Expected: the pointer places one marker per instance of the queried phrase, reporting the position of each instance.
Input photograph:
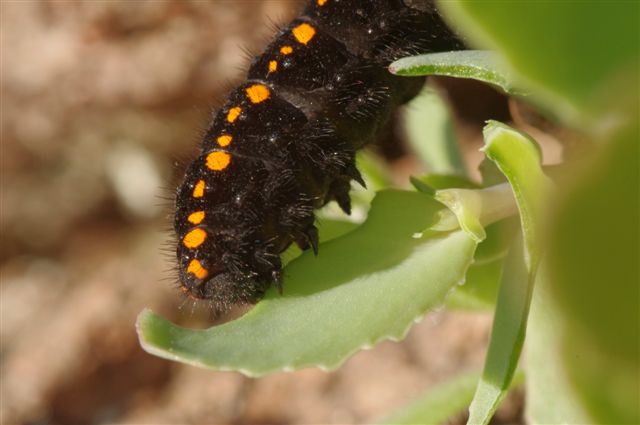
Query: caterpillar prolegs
(284, 142)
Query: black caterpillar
(284, 142)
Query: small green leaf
(475, 209)
(480, 289)
(518, 157)
(490, 173)
(430, 134)
(421, 186)
(432, 182)
(507, 337)
(479, 65)
(364, 287)
(499, 238)
(439, 403)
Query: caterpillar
(284, 142)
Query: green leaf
(507, 337)
(439, 403)
(332, 229)
(479, 65)
(364, 287)
(593, 264)
(430, 134)
(550, 397)
(579, 59)
(518, 157)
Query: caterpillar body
(284, 142)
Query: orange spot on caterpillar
(198, 191)
(286, 50)
(218, 161)
(258, 93)
(321, 2)
(234, 113)
(224, 140)
(196, 217)
(273, 66)
(194, 238)
(304, 33)
(196, 269)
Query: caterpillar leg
(276, 277)
(340, 192)
(309, 239)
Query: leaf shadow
(394, 228)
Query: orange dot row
(303, 33)
(219, 160)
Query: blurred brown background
(99, 100)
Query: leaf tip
(490, 129)
(144, 323)
(142, 319)
(494, 129)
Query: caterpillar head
(224, 268)
(222, 251)
(204, 280)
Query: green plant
(567, 276)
